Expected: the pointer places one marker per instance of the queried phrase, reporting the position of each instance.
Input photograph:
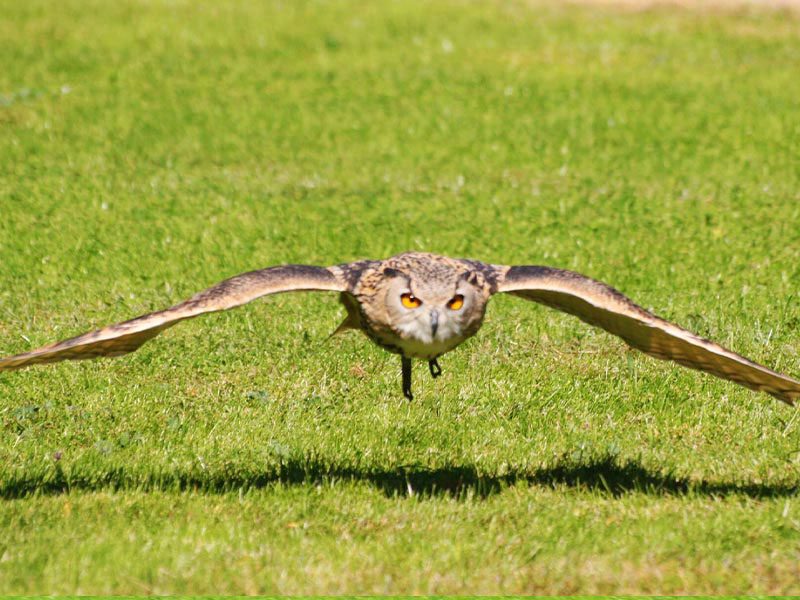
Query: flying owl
(421, 306)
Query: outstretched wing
(601, 305)
(122, 338)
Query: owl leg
(436, 370)
(406, 362)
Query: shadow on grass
(606, 476)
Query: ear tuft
(390, 272)
(471, 277)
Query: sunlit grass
(150, 149)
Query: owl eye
(410, 300)
(456, 302)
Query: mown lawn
(149, 149)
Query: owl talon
(406, 364)
(436, 370)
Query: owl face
(431, 318)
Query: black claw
(406, 364)
(436, 370)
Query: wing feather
(602, 306)
(122, 338)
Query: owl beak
(434, 321)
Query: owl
(421, 306)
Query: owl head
(433, 314)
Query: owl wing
(602, 306)
(126, 337)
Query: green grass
(149, 149)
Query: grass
(149, 149)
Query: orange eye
(456, 303)
(410, 300)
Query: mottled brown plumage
(422, 305)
